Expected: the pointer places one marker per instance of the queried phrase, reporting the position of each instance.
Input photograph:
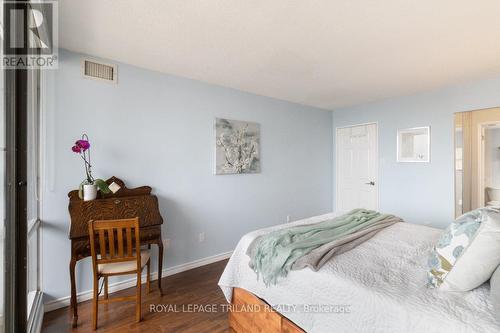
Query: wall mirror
(414, 144)
(477, 159)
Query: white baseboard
(86, 295)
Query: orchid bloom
(82, 147)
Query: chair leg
(95, 303)
(105, 287)
(138, 312)
(148, 277)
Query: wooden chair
(116, 250)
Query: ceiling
(324, 53)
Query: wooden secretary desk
(125, 203)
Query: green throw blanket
(273, 255)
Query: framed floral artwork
(237, 147)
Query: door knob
(372, 183)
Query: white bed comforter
(380, 286)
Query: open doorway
(477, 159)
(489, 164)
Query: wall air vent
(95, 70)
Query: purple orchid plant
(82, 147)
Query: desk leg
(74, 305)
(160, 264)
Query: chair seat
(125, 266)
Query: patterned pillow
(468, 252)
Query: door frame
(377, 180)
(481, 149)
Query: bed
(380, 286)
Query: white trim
(42, 132)
(356, 125)
(86, 295)
(35, 319)
(481, 140)
(377, 181)
(33, 225)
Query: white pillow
(468, 252)
(495, 292)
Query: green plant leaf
(102, 186)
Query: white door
(356, 164)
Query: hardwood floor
(184, 294)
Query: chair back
(113, 241)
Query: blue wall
(419, 192)
(157, 129)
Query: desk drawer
(151, 233)
(145, 207)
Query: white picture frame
(414, 145)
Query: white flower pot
(89, 192)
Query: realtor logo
(30, 34)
